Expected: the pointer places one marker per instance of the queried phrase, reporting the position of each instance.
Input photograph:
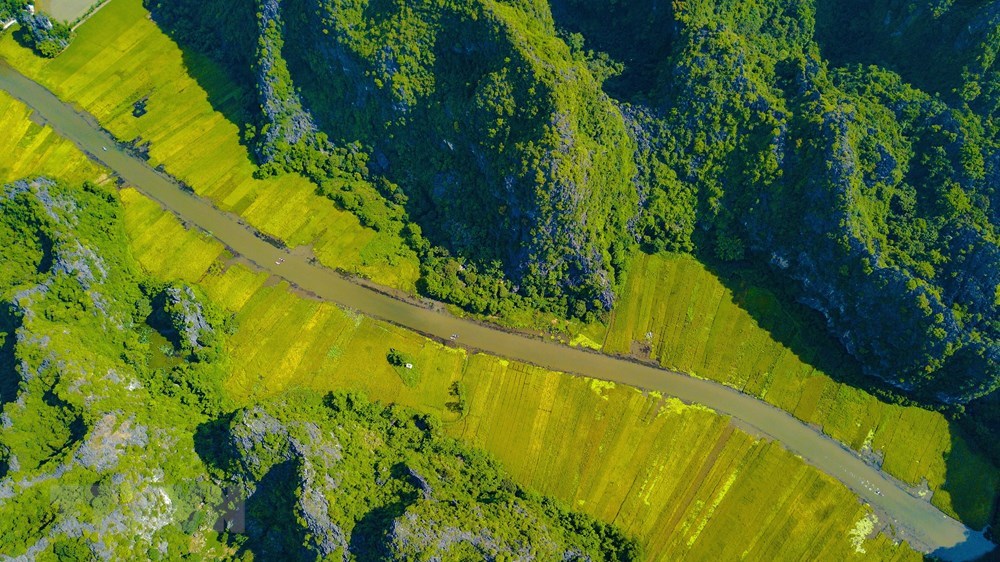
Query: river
(923, 525)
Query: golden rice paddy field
(29, 150)
(679, 477)
(693, 323)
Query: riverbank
(930, 527)
(189, 129)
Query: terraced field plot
(691, 322)
(679, 477)
(31, 151)
(121, 57)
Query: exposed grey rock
(187, 316)
(287, 121)
(107, 440)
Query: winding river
(924, 526)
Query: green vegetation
(110, 450)
(404, 366)
(480, 134)
(96, 447)
(46, 36)
(870, 198)
(636, 460)
(943, 47)
(9, 9)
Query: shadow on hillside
(272, 527)
(369, 537)
(212, 444)
(972, 479)
(10, 380)
(773, 305)
(226, 92)
(227, 83)
(637, 34)
(267, 518)
(973, 497)
(922, 47)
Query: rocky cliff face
(286, 125)
(874, 198)
(86, 467)
(359, 482)
(503, 143)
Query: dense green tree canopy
(526, 148)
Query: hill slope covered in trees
(524, 149)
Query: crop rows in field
(691, 322)
(679, 477)
(30, 150)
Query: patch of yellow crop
(162, 245)
(600, 387)
(693, 323)
(581, 340)
(30, 150)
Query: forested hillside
(119, 443)
(525, 149)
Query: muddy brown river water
(920, 523)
